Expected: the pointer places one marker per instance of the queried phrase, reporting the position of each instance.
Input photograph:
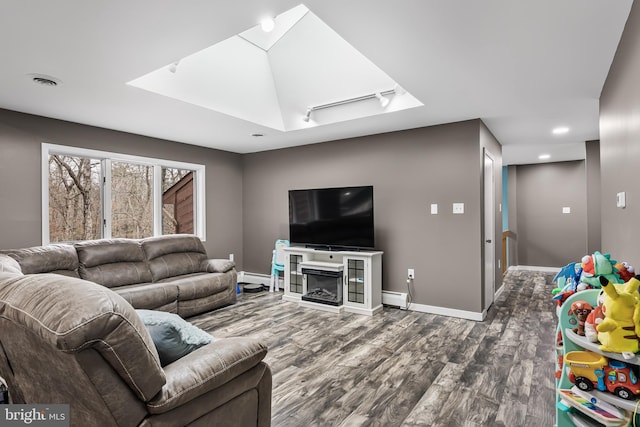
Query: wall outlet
(458, 208)
(434, 209)
(230, 257)
(411, 274)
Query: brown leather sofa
(68, 340)
(169, 273)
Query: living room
(410, 169)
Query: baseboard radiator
(396, 299)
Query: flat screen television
(332, 218)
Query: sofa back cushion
(174, 255)
(113, 262)
(56, 258)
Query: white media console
(334, 281)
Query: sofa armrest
(205, 369)
(218, 265)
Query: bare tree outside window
(131, 200)
(74, 198)
(87, 201)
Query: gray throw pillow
(173, 336)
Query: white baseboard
(534, 268)
(451, 312)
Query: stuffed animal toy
(596, 265)
(581, 310)
(567, 279)
(561, 297)
(617, 332)
(625, 271)
(594, 319)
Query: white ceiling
(523, 67)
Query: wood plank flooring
(404, 368)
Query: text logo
(53, 415)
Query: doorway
(489, 230)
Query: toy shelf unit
(594, 387)
(334, 281)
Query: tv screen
(332, 217)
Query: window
(93, 194)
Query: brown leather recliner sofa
(69, 334)
(68, 340)
(169, 273)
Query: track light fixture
(383, 101)
(174, 67)
(307, 115)
(399, 90)
(381, 96)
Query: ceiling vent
(44, 80)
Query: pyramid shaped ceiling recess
(271, 79)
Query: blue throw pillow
(173, 336)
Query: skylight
(273, 78)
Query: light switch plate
(434, 209)
(458, 208)
(566, 210)
(621, 199)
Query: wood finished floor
(404, 368)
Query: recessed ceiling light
(267, 25)
(544, 156)
(560, 130)
(44, 80)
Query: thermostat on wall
(621, 200)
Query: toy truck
(588, 370)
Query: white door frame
(489, 243)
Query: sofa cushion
(199, 285)
(173, 336)
(174, 255)
(56, 258)
(9, 265)
(113, 262)
(151, 296)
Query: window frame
(106, 158)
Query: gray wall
(620, 146)
(512, 198)
(409, 170)
(546, 236)
(594, 225)
(21, 136)
(247, 206)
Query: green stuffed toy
(596, 266)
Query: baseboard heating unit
(397, 299)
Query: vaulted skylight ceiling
(274, 78)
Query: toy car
(589, 370)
